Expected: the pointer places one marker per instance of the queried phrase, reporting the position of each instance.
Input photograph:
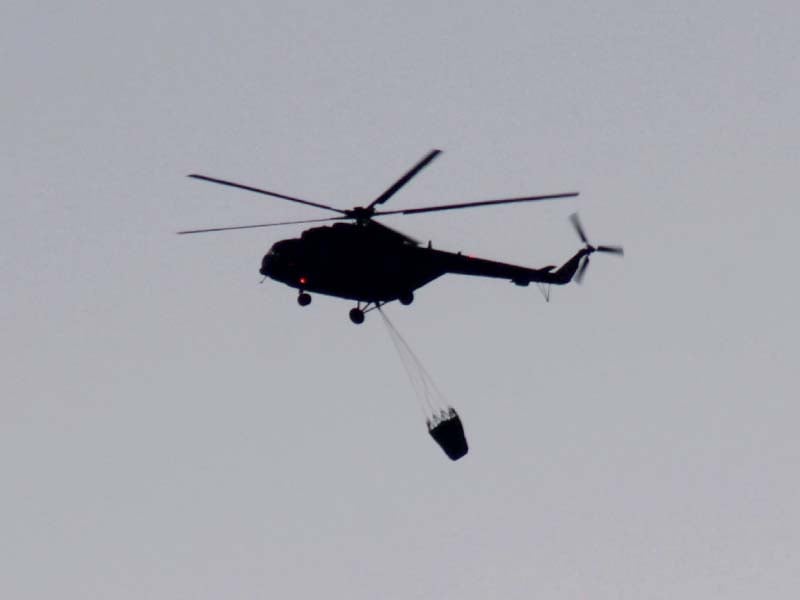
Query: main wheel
(304, 299)
(357, 316)
(406, 298)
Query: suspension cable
(424, 387)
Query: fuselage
(351, 261)
(372, 263)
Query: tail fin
(567, 271)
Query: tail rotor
(588, 248)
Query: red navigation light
(303, 281)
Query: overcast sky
(172, 429)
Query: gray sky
(172, 429)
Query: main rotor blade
(264, 225)
(413, 211)
(611, 250)
(266, 192)
(405, 178)
(576, 223)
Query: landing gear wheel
(406, 298)
(304, 299)
(357, 316)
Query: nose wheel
(304, 299)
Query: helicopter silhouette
(372, 264)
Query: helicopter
(362, 260)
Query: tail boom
(480, 267)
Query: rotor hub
(360, 213)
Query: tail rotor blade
(589, 249)
(611, 250)
(576, 223)
(582, 270)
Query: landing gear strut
(362, 308)
(304, 299)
